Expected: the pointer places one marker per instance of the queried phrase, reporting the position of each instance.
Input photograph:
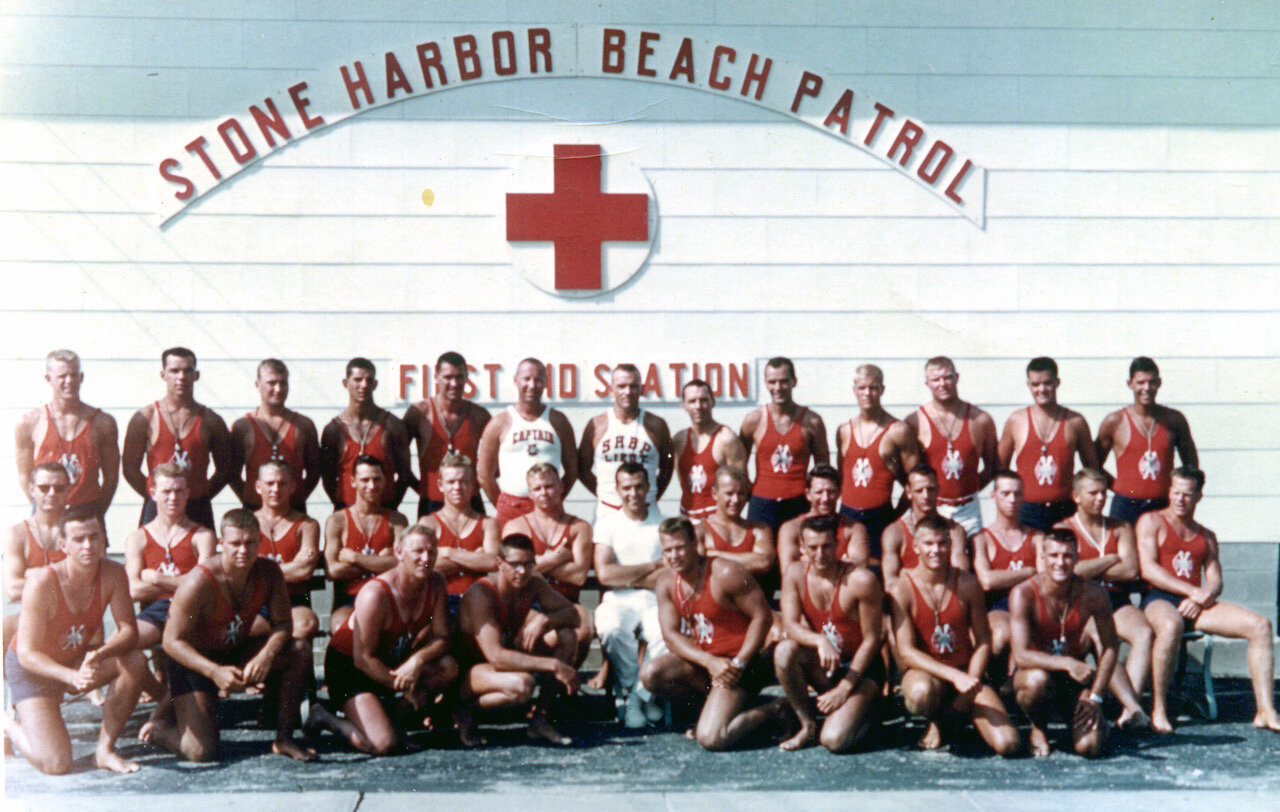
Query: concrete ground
(609, 767)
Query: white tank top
(623, 442)
(525, 444)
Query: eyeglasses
(523, 566)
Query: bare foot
(468, 734)
(1039, 743)
(932, 738)
(97, 697)
(1267, 722)
(540, 728)
(599, 681)
(807, 737)
(290, 748)
(1160, 723)
(1135, 720)
(144, 732)
(691, 734)
(111, 760)
(320, 719)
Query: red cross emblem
(577, 217)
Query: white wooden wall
(1132, 205)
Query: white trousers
(623, 618)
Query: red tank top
(716, 629)
(1183, 558)
(944, 634)
(541, 545)
(67, 634)
(844, 632)
(1088, 549)
(395, 638)
(1057, 635)
(177, 560)
(721, 544)
(351, 449)
(284, 448)
(36, 554)
(189, 452)
(445, 537)
(1145, 469)
(228, 626)
(77, 455)
(376, 543)
(1002, 558)
(283, 550)
(907, 553)
(867, 480)
(464, 440)
(1046, 467)
(955, 461)
(781, 460)
(697, 472)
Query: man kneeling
(1049, 623)
(395, 642)
(210, 651)
(714, 620)
(514, 646)
(834, 622)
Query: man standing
(179, 430)
(628, 561)
(273, 433)
(832, 611)
(943, 644)
(1049, 614)
(822, 492)
(874, 450)
(785, 436)
(959, 441)
(515, 648)
(524, 434)
(443, 424)
(394, 644)
(1179, 559)
(358, 540)
(77, 436)
(701, 449)
(52, 652)
(625, 433)
(898, 539)
(1041, 443)
(211, 653)
(364, 429)
(1144, 437)
(715, 621)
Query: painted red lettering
(301, 103)
(940, 148)
(756, 77)
(882, 113)
(908, 138)
(715, 379)
(504, 45)
(166, 171)
(268, 124)
(196, 147)
(652, 383)
(469, 388)
(428, 61)
(646, 51)
(956, 181)
(739, 381)
(396, 80)
(464, 48)
(601, 371)
(614, 59)
(539, 46)
(492, 369)
(841, 112)
(360, 83)
(568, 381)
(678, 369)
(407, 371)
(810, 85)
(683, 66)
(243, 152)
(715, 80)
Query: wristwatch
(738, 664)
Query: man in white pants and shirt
(628, 559)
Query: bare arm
(310, 462)
(107, 444)
(747, 595)
(1008, 443)
(587, 456)
(993, 579)
(891, 541)
(661, 435)
(222, 450)
(241, 447)
(487, 457)
(817, 438)
(983, 430)
(190, 605)
(330, 458)
(959, 555)
(125, 637)
(33, 621)
(907, 647)
(763, 553)
(15, 562)
(336, 569)
(574, 571)
(788, 543)
(142, 587)
(669, 620)
(870, 596)
(369, 615)
(299, 570)
(729, 451)
(794, 623)
(747, 434)
(568, 448)
(857, 546)
(1183, 441)
(1150, 528)
(24, 452)
(1084, 443)
(454, 560)
(1106, 439)
(136, 437)
(398, 446)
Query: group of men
(458, 615)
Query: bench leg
(1210, 700)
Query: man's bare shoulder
(655, 425)
(968, 588)
(681, 437)
(813, 420)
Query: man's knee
(1089, 745)
(1259, 629)
(1031, 685)
(920, 697)
(382, 742)
(56, 763)
(522, 689)
(199, 751)
(305, 625)
(1167, 626)
(1004, 741)
(784, 654)
(713, 739)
